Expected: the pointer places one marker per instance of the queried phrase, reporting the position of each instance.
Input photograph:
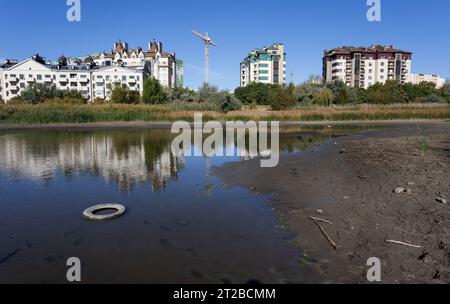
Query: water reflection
(194, 232)
(127, 158)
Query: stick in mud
(402, 243)
(320, 220)
(316, 221)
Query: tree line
(337, 93)
(276, 96)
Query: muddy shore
(350, 181)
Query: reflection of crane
(208, 41)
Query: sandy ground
(350, 181)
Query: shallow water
(181, 225)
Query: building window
(39, 77)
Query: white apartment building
(265, 65)
(159, 64)
(92, 83)
(437, 80)
(364, 67)
(1, 86)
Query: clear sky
(305, 27)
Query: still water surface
(182, 224)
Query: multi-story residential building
(265, 65)
(93, 82)
(437, 80)
(6, 64)
(363, 67)
(159, 64)
(180, 73)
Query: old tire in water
(90, 213)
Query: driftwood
(320, 220)
(402, 243)
(330, 240)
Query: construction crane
(208, 41)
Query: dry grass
(51, 113)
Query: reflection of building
(103, 156)
(363, 67)
(265, 65)
(419, 78)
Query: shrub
(180, 95)
(228, 102)
(72, 94)
(98, 100)
(223, 100)
(16, 100)
(282, 98)
(122, 94)
(70, 101)
(254, 92)
(445, 92)
(153, 92)
(323, 97)
(134, 97)
(304, 93)
(38, 93)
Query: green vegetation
(153, 92)
(422, 145)
(121, 94)
(221, 100)
(306, 102)
(337, 93)
(63, 112)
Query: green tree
(258, 92)
(38, 93)
(179, 94)
(134, 97)
(323, 97)
(282, 98)
(223, 100)
(120, 93)
(304, 93)
(445, 92)
(153, 92)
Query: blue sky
(305, 27)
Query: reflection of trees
(128, 158)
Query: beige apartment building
(437, 80)
(363, 67)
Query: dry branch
(402, 243)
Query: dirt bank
(350, 182)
